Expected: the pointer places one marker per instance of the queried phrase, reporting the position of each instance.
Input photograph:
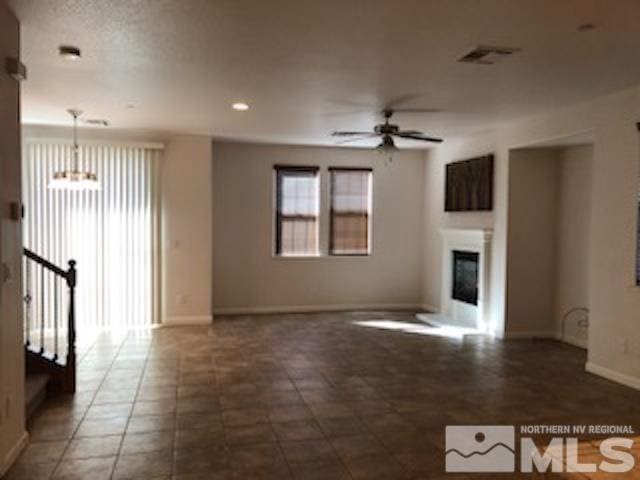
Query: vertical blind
(297, 211)
(111, 233)
(350, 211)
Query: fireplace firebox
(465, 276)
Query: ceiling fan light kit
(387, 147)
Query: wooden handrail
(39, 361)
(45, 263)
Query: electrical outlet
(182, 299)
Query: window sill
(318, 257)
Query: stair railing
(50, 341)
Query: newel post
(71, 354)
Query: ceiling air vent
(97, 121)
(486, 55)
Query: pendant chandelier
(74, 179)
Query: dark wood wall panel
(469, 185)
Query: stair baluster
(43, 299)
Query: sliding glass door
(111, 233)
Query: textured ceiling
(309, 67)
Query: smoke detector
(487, 55)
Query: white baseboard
(187, 320)
(315, 308)
(623, 378)
(14, 453)
(576, 342)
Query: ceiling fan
(386, 131)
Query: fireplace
(465, 293)
(465, 276)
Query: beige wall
(614, 336)
(12, 422)
(186, 230)
(573, 243)
(246, 277)
(534, 198)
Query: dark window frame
(280, 171)
(332, 216)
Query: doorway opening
(548, 238)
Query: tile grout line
(313, 415)
(175, 418)
(135, 398)
(276, 435)
(90, 404)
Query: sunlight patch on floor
(420, 329)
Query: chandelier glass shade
(74, 179)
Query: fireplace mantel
(467, 234)
(453, 311)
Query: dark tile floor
(324, 396)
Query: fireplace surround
(466, 259)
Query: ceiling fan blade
(409, 132)
(349, 134)
(355, 139)
(413, 136)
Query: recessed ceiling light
(69, 52)
(240, 106)
(129, 106)
(586, 27)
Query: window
(297, 208)
(350, 211)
